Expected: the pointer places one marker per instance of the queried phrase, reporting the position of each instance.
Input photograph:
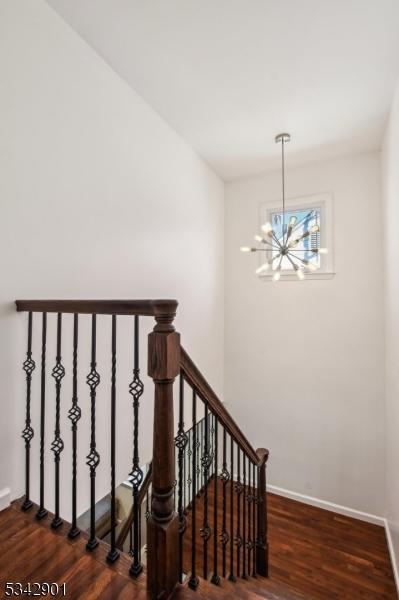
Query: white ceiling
(230, 74)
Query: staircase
(207, 514)
(201, 509)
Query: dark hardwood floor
(30, 551)
(314, 555)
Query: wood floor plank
(314, 555)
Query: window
(301, 217)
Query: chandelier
(284, 247)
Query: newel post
(262, 545)
(163, 526)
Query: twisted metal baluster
(42, 512)
(254, 574)
(189, 499)
(225, 477)
(205, 531)
(244, 522)
(193, 581)
(113, 553)
(212, 444)
(181, 442)
(200, 444)
(185, 474)
(93, 458)
(58, 445)
(28, 433)
(232, 537)
(136, 389)
(238, 492)
(215, 577)
(131, 541)
(249, 505)
(140, 527)
(74, 415)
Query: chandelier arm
(268, 250)
(303, 236)
(268, 243)
(276, 240)
(279, 264)
(301, 259)
(292, 262)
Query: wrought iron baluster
(58, 445)
(181, 442)
(225, 477)
(93, 458)
(184, 473)
(147, 505)
(215, 577)
(140, 528)
(147, 512)
(205, 530)
(248, 501)
(232, 534)
(131, 540)
(254, 504)
(42, 512)
(244, 522)
(212, 444)
(189, 498)
(239, 493)
(200, 472)
(113, 553)
(28, 433)
(193, 581)
(74, 415)
(136, 389)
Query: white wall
(390, 181)
(304, 361)
(99, 198)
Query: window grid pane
(305, 219)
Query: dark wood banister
(129, 521)
(154, 308)
(195, 378)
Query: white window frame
(323, 201)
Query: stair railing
(233, 471)
(213, 458)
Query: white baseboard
(5, 498)
(337, 508)
(392, 554)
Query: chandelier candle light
(287, 244)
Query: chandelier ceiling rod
(283, 138)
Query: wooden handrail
(129, 521)
(155, 308)
(194, 377)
